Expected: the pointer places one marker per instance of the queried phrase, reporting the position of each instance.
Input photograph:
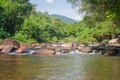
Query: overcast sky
(60, 7)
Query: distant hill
(63, 18)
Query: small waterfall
(76, 51)
(93, 52)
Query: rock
(101, 44)
(9, 45)
(22, 49)
(44, 52)
(7, 48)
(36, 48)
(43, 45)
(85, 49)
(52, 45)
(34, 45)
(57, 49)
(111, 52)
(65, 51)
(66, 45)
(113, 41)
(11, 42)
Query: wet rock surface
(44, 52)
(9, 45)
(85, 49)
(11, 42)
(12, 46)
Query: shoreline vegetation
(20, 21)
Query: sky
(60, 7)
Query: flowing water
(59, 67)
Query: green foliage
(101, 20)
(105, 41)
(70, 39)
(3, 34)
(14, 14)
(23, 38)
(40, 28)
(19, 20)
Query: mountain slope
(63, 18)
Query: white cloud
(78, 17)
(49, 1)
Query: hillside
(63, 18)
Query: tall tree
(101, 14)
(15, 12)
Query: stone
(66, 45)
(12, 42)
(22, 49)
(85, 49)
(113, 41)
(7, 49)
(44, 52)
(65, 51)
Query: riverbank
(10, 46)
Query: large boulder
(85, 49)
(7, 48)
(12, 42)
(9, 45)
(44, 52)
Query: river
(59, 67)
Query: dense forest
(101, 19)
(19, 20)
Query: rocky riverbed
(10, 46)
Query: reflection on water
(59, 67)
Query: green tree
(101, 16)
(15, 11)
